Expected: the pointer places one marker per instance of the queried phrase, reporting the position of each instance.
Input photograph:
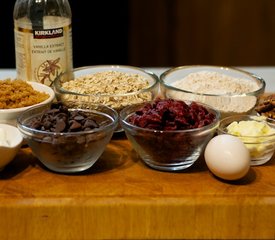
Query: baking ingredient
(60, 119)
(112, 88)
(170, 134)
(227, 157)
(66, 140)
(256, 134)
(252, 128)
(17, 93)
(107, 82)
(169, 114)
(215, 83)
(207, 82)
(43, 39)
(266, 106)
(3, 138)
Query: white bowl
(9, 116)
(15, 139)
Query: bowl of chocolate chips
(67, 138)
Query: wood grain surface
(121, 198)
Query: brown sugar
(18, 93)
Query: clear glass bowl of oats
(115, 86)
(230, 90)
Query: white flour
(206, 82)
(215, 83)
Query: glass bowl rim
(243, 117)
(32, 131)
(250, 75)
(214, 124)
(144, 90)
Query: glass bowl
(230, 90)
(168, 150)
(73, 151)
(257, 133)
(115, 86)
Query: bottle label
(42, 55)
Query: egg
(227, 157)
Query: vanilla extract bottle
(43, 39)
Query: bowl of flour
(232, 91)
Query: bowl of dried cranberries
(168, 134)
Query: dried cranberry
(170, 114)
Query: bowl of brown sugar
(232, 91)
(16, 96)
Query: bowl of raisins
(68, 138)
(169, 134)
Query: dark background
(100, 30)
(149, 33)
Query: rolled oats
(112, 88)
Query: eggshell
(227, 157)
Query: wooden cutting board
(121, 198)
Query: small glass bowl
(261, 147)
(114, 100)
(227, 103)
(70, 152)
(168, 150)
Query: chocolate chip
(52, 111)
(36, 125)
(59, 119)
(79, 118)
(47, 124)
(61, 115)
(60, 125)
(75, 125)
(90, 123)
